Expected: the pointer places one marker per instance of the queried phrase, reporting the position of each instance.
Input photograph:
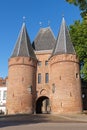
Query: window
(46, 78)
(53, 88)
(39, 78)
(39, 63)
(60, 77)
(30, 88)
(4, 95)
(3, 82)
(46, 63)
(77, 75)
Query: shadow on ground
(14, 120)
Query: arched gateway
(43, 105)
(39, 77)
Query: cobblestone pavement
(43, 122)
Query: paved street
(49, 126)
(43, 122)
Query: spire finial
(62, 15)
(24, 19)
(40, 23)
(63, 19)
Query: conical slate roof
(45, 40)
(63, 43)
(23, 45)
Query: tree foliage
(78, 32)
(82, 4)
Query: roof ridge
(20, 36)
(26, 41)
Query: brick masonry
(65, 79)
(63, 89)
(21, 85)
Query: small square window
(39, 63)
(77, 75)
(46, 63)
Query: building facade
(43, 77)
(3, 94)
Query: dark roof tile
(45, 40)
(63, 43)
(23, 46)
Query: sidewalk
(75, 117)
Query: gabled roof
(63, 43)
(45, 40)
(23, 45)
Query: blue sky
(35, 11)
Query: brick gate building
(44, 77)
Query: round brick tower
(65, 77)
(21, 92)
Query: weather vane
(40, 23)
(24, 18)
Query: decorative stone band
(64, 58)
(22, 61)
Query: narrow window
(39, 63)
(61, 104)
(4, 95)
(77, 75)
(53, 88)
(46, 63)
(46, 78)
(39, 78)
(30, 88)
(70, 94)
(60, 77)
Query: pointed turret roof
(23, 45)
(63, 43)
(45, 40)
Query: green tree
(82, 4)
(78, 32)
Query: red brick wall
(66, 97)
(21, 75)
(63, 75)
(43, 89)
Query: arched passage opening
(43, 105)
